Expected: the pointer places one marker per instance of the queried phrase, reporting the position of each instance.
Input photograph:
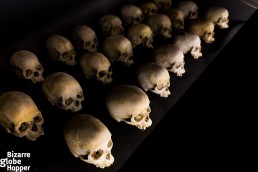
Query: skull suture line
(63, 91)
(96, 65)
(61, 49)
(26, 65)
(152, 76)
(111, 25)
(118, 47)
(85, 38)
(130, 104)
(89, 139)
(20, 116)
(219, 16)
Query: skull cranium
(96, 65)
(130, 104)
(61, 49)
(131, 14)
(163, 5)
(118, 47)
(155, 78)
(148, 9)
(111, 25)
(170, 57)
(85, 38)
(63, 91)
(177, 18)
(90, 140)
(219, 16)
(26, 65)
(189, 8)
(140, 34)
(20, 115)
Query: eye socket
(96, 155)
(37, 119)
(87, 44)
(153, 10)
(138, 118)
(68, 101)
(79, 96)
(110, 144)
(28, 72)
(39, 67)
(24, 126)
(101, 74)
(84, 157)
(95, 41)
(110, 69)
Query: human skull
(96, 65)
(20, 116)
(219, 16)
(148, 9)
(131, 14)
(61, 49)
(155, 78)
(140, 34)
(189, 8)
(188, 42)
(177, 18)
(204, 29)
(130, 104)
(118, 47)
(160, 24)
(63, 91)
(163, 4)
(85, 38)
(170, 57)
(26, 65)
(111, 25)
(89, 139)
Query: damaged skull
(189, 8)
(26, 65)
(63, 91)
(170, 57)
(163, 5)
(131, 14)
(89, 139)
(140, 34)
(219, 16)
(160, 24)
(96, 65)
(85, 38)
(177, 18)
(148, 9)
(130, 104)
(118, 47)
(188, 42)
(20, 116)
(61, 49)
(204, 29)
(155, 78)
(111, 25)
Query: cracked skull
(85, 38)
(89, 139)
(160, 24)
(219, 16)
(177, 18)
(26, 65)
(189, 8)
(188, 42)
(61, 49)
(96, 65)
(118, 47)
(131, 14)
(148, 9)
(111, 25)
(204, 29)
(140, 34)
(130, 104)
(163, 5)
(155, 78)
(20, 116)
(170, 57)
(63, 91)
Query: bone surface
(118, 48)
(177, 18)
(89, 139)
(26, 65)
(85, 38)
(130, 104)
(63, 91)
(111, 25)
(219, 16)
(131, 14)
(152, 76)
(96, 65)
(148, 9)
(20, 116)
(189, 8)
(163, 5)
(61, 49)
